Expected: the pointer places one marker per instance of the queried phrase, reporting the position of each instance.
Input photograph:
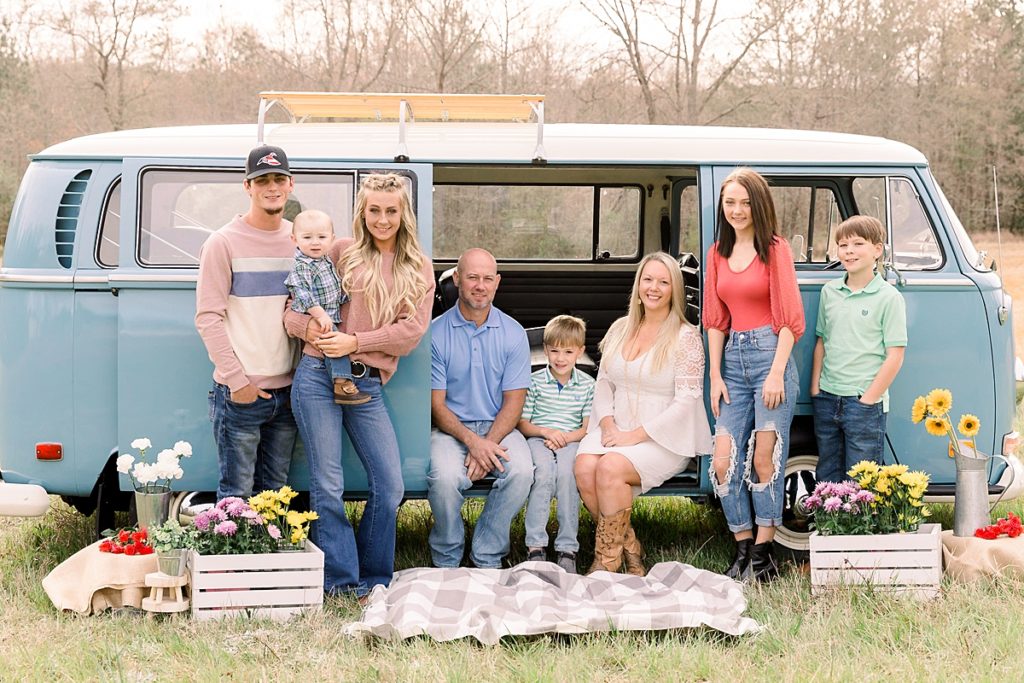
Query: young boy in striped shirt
(554, 420)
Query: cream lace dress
(668, 403)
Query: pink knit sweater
(787, 309)
(380, 347)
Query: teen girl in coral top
(753, 316)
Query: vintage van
(97, 298)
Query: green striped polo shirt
(558, 407)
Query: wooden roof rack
(302, 106)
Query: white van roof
(487, 143)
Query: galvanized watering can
(971, 509)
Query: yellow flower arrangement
(274, 506)
(934, 409)
(898, 494)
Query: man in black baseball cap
(266, 159)
(240, 294)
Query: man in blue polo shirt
(480, 371)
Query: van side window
(911, 235)
(914, 246)
(689, 221)
(807, 216)
(181, 208)
(109, 239)
(550, 222)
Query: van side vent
(67, 217)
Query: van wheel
(187, 504)
(793, 537)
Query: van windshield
(978, 260)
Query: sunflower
(936, 426)
(939, 401)
(918, 411)
(969, 425)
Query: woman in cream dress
(648, 418)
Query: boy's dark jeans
(847, 432)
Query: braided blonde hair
(408, 288)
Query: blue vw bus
(97, 286)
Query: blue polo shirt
(474, 365)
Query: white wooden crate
(907, 564)
(274, 585)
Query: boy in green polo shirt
(554, 420)
(862, 334)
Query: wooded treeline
(945, 76)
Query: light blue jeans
(447, 482)
(353, 562)
(746, 360)
(553, 478)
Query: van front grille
(67, 217)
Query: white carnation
(142, 444)
(183, 448)
(144, 473)
(124, 463)
(167, 456)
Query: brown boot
(633, 553)
(611, 530)
(346, 393)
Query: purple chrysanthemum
(230, 500)
(274, 532)
(202, 521)
(832, 504)
(237, 508)
(865, 497)
(227, 528)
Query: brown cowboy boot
(633, 553)
(611, 530)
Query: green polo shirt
(856, 329)
(550, 404)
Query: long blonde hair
(625, 328)
(408, 284)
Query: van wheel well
(106, 498)
(792, 539)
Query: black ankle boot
(741, 562)
(762, 563)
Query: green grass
(973, 632)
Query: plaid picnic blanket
(539, 597)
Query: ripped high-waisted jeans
(746, 360)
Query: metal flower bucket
(172, 562)
(152, 508)
(971, 508)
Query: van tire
(109, 498)
(792, 539)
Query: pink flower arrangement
(843, 508)
(232, 527)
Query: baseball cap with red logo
(266, 159)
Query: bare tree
(623, 19)
(113, 36)
(354, 44)
(449, 36)
(692, 25)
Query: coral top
(726, 308)
(378, 347)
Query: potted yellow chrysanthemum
(971, 507)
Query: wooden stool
(158, 583)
